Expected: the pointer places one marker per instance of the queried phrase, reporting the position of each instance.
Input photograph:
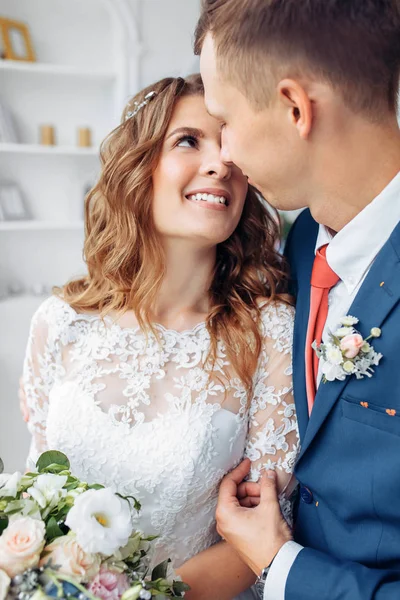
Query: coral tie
(322, 280)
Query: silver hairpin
(139, 105)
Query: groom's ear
(293, 95)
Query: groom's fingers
(249, 501)
(238, 474)
(229, 485)
(268, 487)
(248, 488)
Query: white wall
(165, 30)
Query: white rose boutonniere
(347, 352)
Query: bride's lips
(216, 192)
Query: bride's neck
(183, 297)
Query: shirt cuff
(275, 583)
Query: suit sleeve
(318, 576)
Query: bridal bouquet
(63, 538)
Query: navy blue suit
(349, 465)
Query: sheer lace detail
(147, 416)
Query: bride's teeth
(207, 198)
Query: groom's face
(259, 142)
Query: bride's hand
(249, 494)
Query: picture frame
(12, 205)
(8, 131)
(16, 41)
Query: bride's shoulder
(277, 320)
(53, 313)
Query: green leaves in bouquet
(161, 570)
(1, 466)
(136, 503)
(53, 530)
(3, 524)
(52, 461)
(179, 587)
(160, 582)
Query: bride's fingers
(248, 488)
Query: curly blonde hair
(123, 251)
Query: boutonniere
(347, 352)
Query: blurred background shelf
(29, 68)
(15, 226)
(47, 150)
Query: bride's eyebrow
(198, 133)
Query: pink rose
(21, 544)
(66, 552)
(351, 345)
(109, 585)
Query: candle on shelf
(47, 135)
(84, 137)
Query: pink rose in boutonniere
(351, 345)
(347, 352)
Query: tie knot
(322, 275)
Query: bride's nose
(215, 166)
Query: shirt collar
(352, 250)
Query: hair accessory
(139, 105)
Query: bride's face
(197, 196)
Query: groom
(306, 92)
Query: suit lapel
(300, 332)
(372, 305)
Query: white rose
(343, 331)
(332, 372)
(72, 560)
(21, 544)
(348, 321)
(48, 489)
(334, 355)
(101, 521)
(4, 584)
(349, 367)
(9, 484)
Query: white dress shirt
(350, 254)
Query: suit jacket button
(306, 494)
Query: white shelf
(40, 226)
(48, 150)
(15, 66)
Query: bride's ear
(300, 110)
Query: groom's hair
(354, 45)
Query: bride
(171, 360)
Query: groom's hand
(257, 534)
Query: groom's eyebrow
(187, 131)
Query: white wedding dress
(150, 419)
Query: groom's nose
(225, 154)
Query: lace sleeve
(40, 366)
(272, 441)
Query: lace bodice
(150, 417)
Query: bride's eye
(187, 141)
